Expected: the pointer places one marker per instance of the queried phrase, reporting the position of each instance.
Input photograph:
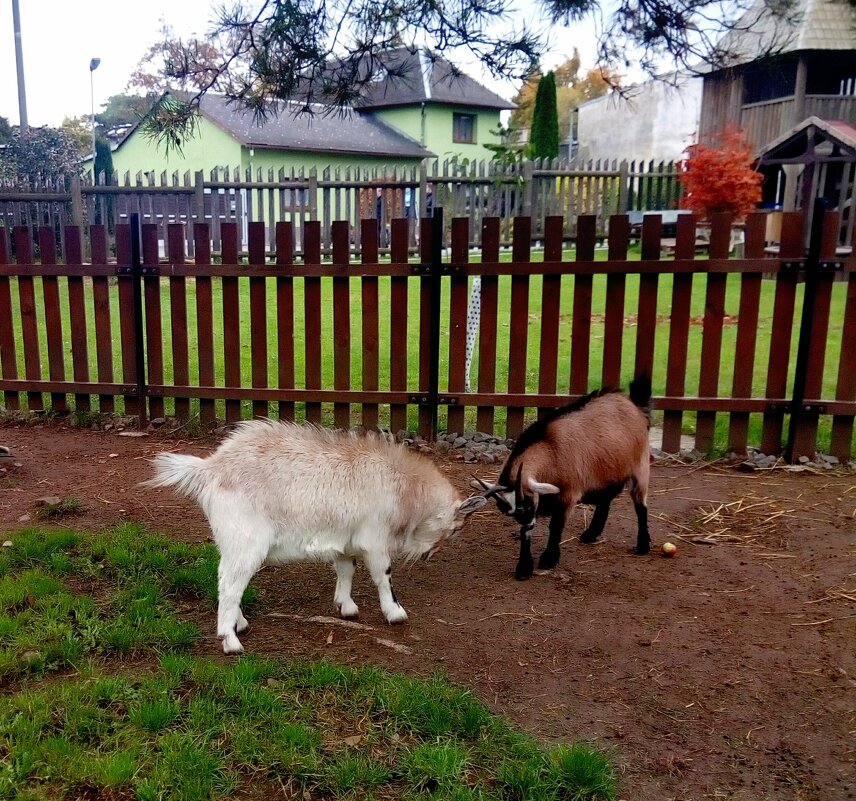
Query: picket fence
(384, 340)
(476, 190)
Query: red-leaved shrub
(720, 178)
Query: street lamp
(93, 65)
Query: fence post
(528, 187)
(76, 202)
(623, 187)
(434, 330)
(812, 263)
(199, 195)
(313, 194)
(139, 352)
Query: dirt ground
(726, 672)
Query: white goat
(280, 492)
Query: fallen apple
(669, 549)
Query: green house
(418, 107)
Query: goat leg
(525, 564)
(550, 558)
(602, 501)
(643, 538)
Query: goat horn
(488, 491)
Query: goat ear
(540, 488)
(471, 504)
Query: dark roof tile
(288, 129)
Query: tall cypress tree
(544, 138)
(103, 160)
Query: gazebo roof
(808, 25)
(812, 140)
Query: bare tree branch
(324, 53)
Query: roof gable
(805, 142)
(406, 76)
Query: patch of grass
(67, 507)
(432, 765)
(86, 418)
(180, 727)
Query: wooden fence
(348, 343)
(476, 190)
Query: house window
(464, 129)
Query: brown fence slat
(845, 388)
(425, 284)
(747, 333)
(312, 316)
(204, 321)
(8, 355)
(518, 326)
(551, 289)
(29, 324)
(791, 247)
(398, 333)
(258, 317)
(458, 305)
(341, 321)
(805, 436)
(77, 317)
(285, 315)
(646, 319)
(53, 317)
(100, 307)
(178, 318)
(370, 323)
(613, 325)
(231, 321)
(581, 325)
(714, 318)
(153, 318)
(487, 323)
(679, 329)
(126, 321)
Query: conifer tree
(544, 136)
(103, 160)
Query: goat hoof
(523, 570)
(642, 548)
(232, 647)
(349, 609)
(548, 560)
(588, 538)
(396, 615)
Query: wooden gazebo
(817, 159)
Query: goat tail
(640, 392)
(182, 471)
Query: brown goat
(585, 452)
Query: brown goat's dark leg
(550, 558)
(643, 538)
(525, 565)
(602, 501)
(639, 494)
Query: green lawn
(503, 345)
(102, 699)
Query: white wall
(655, 120)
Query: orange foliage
(720, 178)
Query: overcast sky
(61, 36)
